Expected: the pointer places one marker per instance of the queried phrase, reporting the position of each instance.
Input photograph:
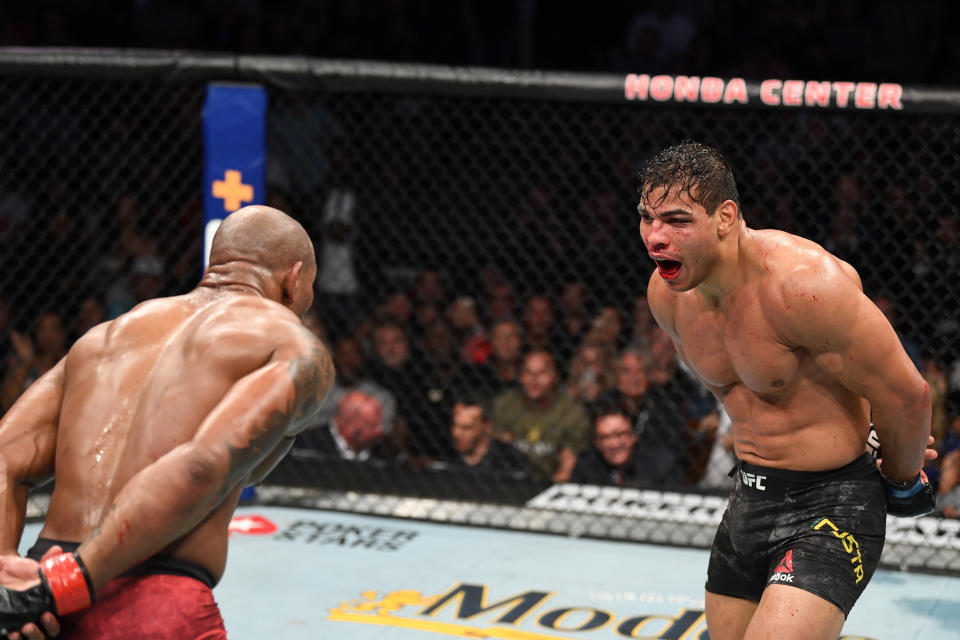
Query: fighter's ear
(292, 280)
(728, 217)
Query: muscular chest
(736, 346)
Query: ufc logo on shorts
(753, 480)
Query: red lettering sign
(843, 90)
(736, 91)
(686, 88)
(793, 93)
(661, 88)
(817, 94)
(865, 95)
(770, 92)
(635, 87)
(888, 96)
(711, 90)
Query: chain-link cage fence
(476, 249)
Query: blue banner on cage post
(234, 131)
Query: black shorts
(820, 531)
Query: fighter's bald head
(262, 236)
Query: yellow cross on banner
(232, 190)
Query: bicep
(28, 431)
(850, 339)
(250, 419)
(262, 409)
(870, 364)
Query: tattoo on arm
(312, 375)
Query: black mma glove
(910, 499)
(64, 587)
(17, 608)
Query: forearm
(159, 505)
(28, 440)
(903, 429)
(13, 507)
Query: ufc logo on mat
(753, 480)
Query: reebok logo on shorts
(784, 570)
(786, 565)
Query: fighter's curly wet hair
(686, 166)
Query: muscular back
(139, 386)
(792, 353)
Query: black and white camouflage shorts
(820, 531)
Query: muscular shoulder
(801, 284)
(251, 314)
(248, 331)
(144, 327)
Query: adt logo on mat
(252, 526)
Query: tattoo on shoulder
(312, 374)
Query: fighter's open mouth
(668, 268)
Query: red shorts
(148, 607)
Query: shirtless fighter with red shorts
(801, 359)
(152, 425)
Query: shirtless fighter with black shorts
(152, 425)
(782, 333)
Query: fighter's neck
(236, 276)
(729, 273)
(239, 281)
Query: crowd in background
(528, 349)
(543, 362)
(543, 369)
(554, 386)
